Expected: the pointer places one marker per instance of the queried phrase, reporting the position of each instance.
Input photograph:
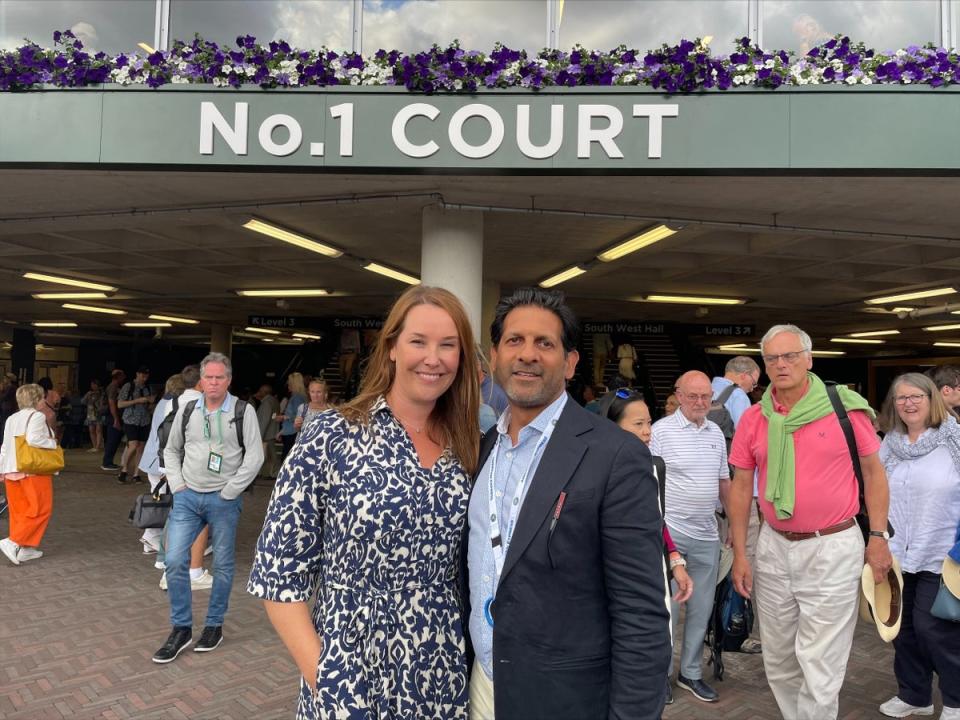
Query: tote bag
(37, 461)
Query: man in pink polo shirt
(810, 553)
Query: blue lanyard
(501, 544)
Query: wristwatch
(880, 534)
(679, 562)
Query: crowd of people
(475, 544)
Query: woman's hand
(298, 422)
(684, 584)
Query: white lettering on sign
(587, 134)
(656, 113)
(399, 130)
(235, 136)
(539, 152)
(455, 131)
(595, 125)
(294, 135)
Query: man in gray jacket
(213, 452)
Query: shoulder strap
(661, 470)
(237, 421)
(176, 404)
(847, 428)
(185, 420)
(725, 394)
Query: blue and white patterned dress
(355, 519)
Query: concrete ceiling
(801, 249)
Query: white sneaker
(949, 713)
(897, 708)
(29, 553)
(204, 582)
(11, 550)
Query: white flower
(355, 80)
(250, 70)
(630, 78)
(226, 69)
(741, 67)
(851, 80)
(179, 80)
(182, 65)
(865, 80)
(458, 84)
(738, 79)
(769, 63)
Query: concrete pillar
(452, 257)
(221, 339)
(491, 296)
(23, 354)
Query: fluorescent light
(874, 333)
(391, 273)
(304, 292)
(827, 353)
(563, 276)
(146, 324)
(174, 319)
(692, 300)
(288, 236)
(903, 309)
(70, 296)
(936, 292)
(145, 47)
(54, 324)
(647, 237)
(732, 346)
(857, 341)
(267, 339)
(308, 336)
(939, 328)
(94, 308)
(946, 344)
(265, 331)
(68, 281)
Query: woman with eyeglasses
(921, 454)
(628, 410)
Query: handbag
(946, 605)
(37, 461)
(151, 510)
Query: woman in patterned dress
(368, 515)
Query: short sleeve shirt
(826, 488)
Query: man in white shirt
(695, 454)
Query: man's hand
(117, 425)
(742, 575)
(878, 557)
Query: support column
(23, 354)
(452, 257)
(221, 339)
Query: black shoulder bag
(862, 520)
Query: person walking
(297, 398)
(921, 454)
(113, 425)
(375, 494)
(30, 497)
(92, 401)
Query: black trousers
(926, 645)
(288, 441)
(111, 443)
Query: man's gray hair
(741, 364)
(805, 342)
(216, 357)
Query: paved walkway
(78, 627)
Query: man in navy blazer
(568, 596)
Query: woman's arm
(38, 432)
(293, 625)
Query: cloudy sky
(416, 24)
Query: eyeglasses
(912, 399)
(788, 357)
(693, 397)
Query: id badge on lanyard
(214, 459)
(500, 543)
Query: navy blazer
(581, 619)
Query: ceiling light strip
(644, 239)
(874, 333)
(70, 296)
(263, 331)
(174, 319)
(94, 308)
(293, 238)
(280, 292)
(693, 300)
(56, 279)
(562, 276)
(391, 273)
(918, 295)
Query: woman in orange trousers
(30, 496)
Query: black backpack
(163, 429)
(719, 414)
(731, 622)
(236, 421)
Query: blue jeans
(191, 511)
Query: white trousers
(807, 593)
(153, 535)
(481, 694)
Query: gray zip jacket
(236, 472)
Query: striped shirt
(696, 460)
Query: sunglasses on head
(627, 393)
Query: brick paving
(78, 627)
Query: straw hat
(951, 576)
(882, 604)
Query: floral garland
(682, 68)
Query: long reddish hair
(454, 422)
